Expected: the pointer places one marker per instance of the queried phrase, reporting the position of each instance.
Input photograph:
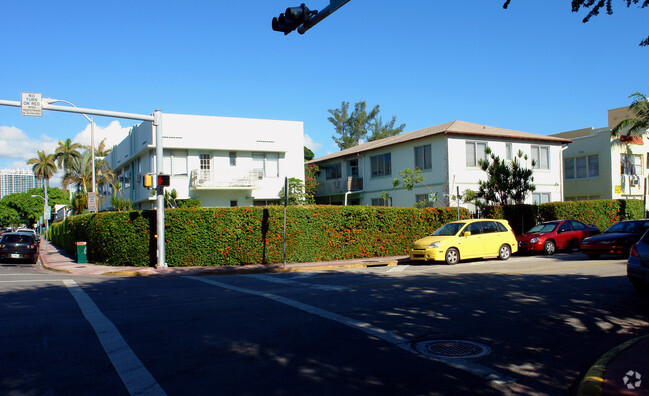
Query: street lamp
(45, 216)
(92, 139)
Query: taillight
(634, 251)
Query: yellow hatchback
(466, 239)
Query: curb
(592, 382)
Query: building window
(423, 158)
(266, 164)
(508, 151)
(422, 201)
(333, 171)
(352, 168)
(381, 165)
(233, 204)
(382, 202)
(581, 167)
(541, 157)
(233, 158)
(630, 164)
(475, 151)
(540, 198)
(174, 162)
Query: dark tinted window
(489, 226)
(501, 227)
(13, 238)
(474, 228)
(578, 225)
(565, 227)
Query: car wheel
(452, 256)
(549, 247)
(505, 252)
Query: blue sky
(534, 67)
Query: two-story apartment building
(598, 166)
(447, 155)
(221, 161)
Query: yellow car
(466, 239)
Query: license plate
(14, 255)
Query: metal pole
(285, 205)
(160, 213)
(92, 144)
(458, 202)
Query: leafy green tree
(311, 172)
(9, 216)
(507, 182)
(412, 177)
(44, 167)
(170, 199)
(355, 126)
(638, 125)
(28, 206)
(597, 6)
(308, 154)
(296, 194)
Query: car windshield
(16, 239)
(629, 226)
(448, 229)
(549, 227)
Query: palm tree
(66, 152)
(79, 172)
(102, 151)
(44, 167)
(639, 124)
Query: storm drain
(453, 349)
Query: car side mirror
(467, 233)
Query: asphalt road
(540, 322)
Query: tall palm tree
(102, 151)
(638, 125)
(44, 167)
(66, 152)
(79, 172)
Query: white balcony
(225, 179)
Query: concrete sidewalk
(55, 259)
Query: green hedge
(603, 212)
(246, 235)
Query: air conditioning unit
(635, 181)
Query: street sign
(47, 212)
(92, 201)
(31, 104)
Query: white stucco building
(447, 155)
(598, 166)
(17, 181)
(219, 160)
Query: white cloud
(16, 147)
(312, 144)
(113, 133)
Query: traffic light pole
(328, 10)
(156, 119)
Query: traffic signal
(163, 180)
(292, 19)
(147, 181)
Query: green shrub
(246, 235)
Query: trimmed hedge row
(603, 212)
(246, 235)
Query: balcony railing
(224, 180)
(339, 186)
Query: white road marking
(398, 268)
(385, 335)
(276, 279)
(137, 379)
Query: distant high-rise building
(17, 180)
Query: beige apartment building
(597, 166)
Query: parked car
(637, 267)
(30, 231)
(466, 239)
(617, 239)
(550, 236)
(18, 246)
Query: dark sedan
(616, 240)
(18, 246)
(550, 236)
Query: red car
(550, 236)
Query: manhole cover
(452, 349)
